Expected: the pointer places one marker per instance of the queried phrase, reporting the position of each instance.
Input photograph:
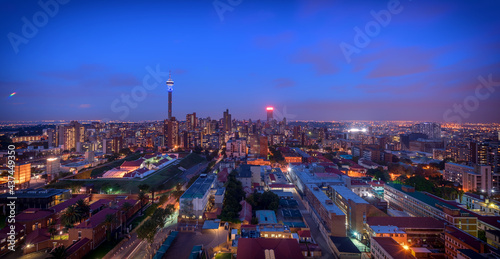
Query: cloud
(320, 62)
(123, 80)
(283, 83)
(86, 105)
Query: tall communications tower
(170, 89)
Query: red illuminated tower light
(270, 110)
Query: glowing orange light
(270, 108)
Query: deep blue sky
(281, 53)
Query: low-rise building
(195, 199)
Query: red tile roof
(73, 248)
(246, 211)
(254, 248)
(406, 222)
(99, 203)
(393, 248)
(37, 236)
(97, 219)
(464, 237)
(222, 175)
(34, 214)
(304, 233)
(135, 163)
(70, 202)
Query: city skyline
(304, 59)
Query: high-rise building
(22, 175)
(270, 113)
(171, 132)
(191, 121)
(479, 152)
(227, 121)
(69, 135)
(431, 129)
(53, 168)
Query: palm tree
(142, 197)
(110, 219)
(82, 209)
(59, 253)
(70, 216)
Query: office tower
(270, 113)
(69, 135)
(53, 168)
(227, 121)
(171, 132)
(479, 153)
(22, 175)
(431, 129)
(191, 121)
(170, 89)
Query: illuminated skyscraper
(270, 113)
(227, 121)
(191, 121)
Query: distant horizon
(312, 60)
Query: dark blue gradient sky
(287, 54)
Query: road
(315, 232)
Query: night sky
(305, 58)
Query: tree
(125, 151)
(159, 217)
(143, 198)
(82, 209)
(481, 234)
(59, 253)
(108, 221)
(70, 216)
(147, 231)
(143, 187)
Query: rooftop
(70, 202)
(255, 248)
(323, 198)
(392, 247)
(34, 214)
(406, 222)
(386, 229)
(266, 217)
(97, 219)
(347, 194)
(199, 187)
(429, 199)
(345, 245)
(35, 193)
(74, 247)
(244, 171)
